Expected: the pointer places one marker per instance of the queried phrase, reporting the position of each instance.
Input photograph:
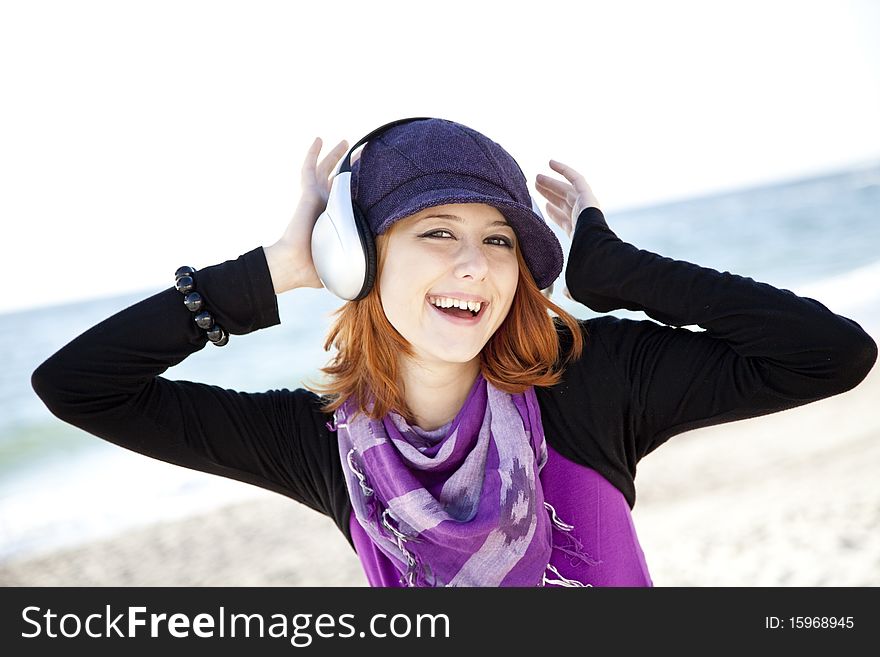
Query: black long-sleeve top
(637, 383)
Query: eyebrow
(457, 218)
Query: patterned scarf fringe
(574, 549)
(415, 574)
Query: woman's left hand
(566, 199)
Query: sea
(59, 486)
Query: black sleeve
(763, 349)
(106, 382)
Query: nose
(471, 262)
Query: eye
(504, 240)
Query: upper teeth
(447, 302)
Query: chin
(450, 355)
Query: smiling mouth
(460, 313)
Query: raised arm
(107, 382)
(763, 349)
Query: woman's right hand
(290, 258)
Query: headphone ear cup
(369, 247)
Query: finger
(560, 201)
(551, 194)
(332, 159)
(562, 219)
(307, 175)
(564, 201)
(581, 186)
(559, 187)
(559, 215)
(567, 171)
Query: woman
(489, 445)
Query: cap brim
(539, 245)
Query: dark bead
(204, 320)
(216, 333)
(222, 342)
(185, 284)
(184, 271)
(194, 301)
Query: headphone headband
(345, 164)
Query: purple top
(583, 498)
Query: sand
(788, 499)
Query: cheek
(401, 299)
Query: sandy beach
(789, 499)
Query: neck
(435, 392)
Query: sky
(139, 137)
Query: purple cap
(433, 162)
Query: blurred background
(137, 137)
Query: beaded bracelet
(185, 283)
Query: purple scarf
(459, 505)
